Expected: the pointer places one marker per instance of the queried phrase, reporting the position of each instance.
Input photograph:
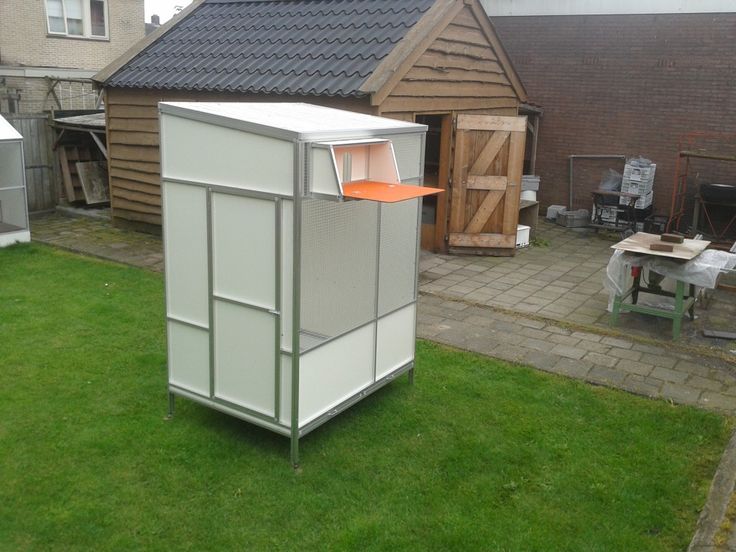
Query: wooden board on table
(640, 242)
(93, 177)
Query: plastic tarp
(702, 271)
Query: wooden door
(486, 183)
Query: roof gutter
(106, 72)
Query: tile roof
(302, 47)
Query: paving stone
(615, 342)
(628, 354)
(635, 367)
(541, 360)
(593, 346)
(509, 352)
(535, 333)
(641, 385)
(698, 382)
(666, 374)
(719, 401)
(692, 368)
(600, 359)
(572, 368)
(531, 323)
(681, 393)
(551, 328)
(563, 339)
(536, 344)
(605, 375)
(659, 360)
(569, 352)
(648, 349)
(587, 336)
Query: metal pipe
(572, 158)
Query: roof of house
(304, 47)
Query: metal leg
(294, 451)
(171, 405)
(616, 310)
(677, 321)
(410, 375)
(637, 285)
(691, 310)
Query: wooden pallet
(69, 156)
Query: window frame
(86, 21)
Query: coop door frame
(486, 181)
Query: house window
(77, 18)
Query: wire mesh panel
(397, 266)
(338, 272)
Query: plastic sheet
(702, 271)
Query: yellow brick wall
(24, 39)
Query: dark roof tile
(303, 47)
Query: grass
(477, 455)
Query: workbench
(683, 302)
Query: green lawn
(478, 455)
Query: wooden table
(684, 303)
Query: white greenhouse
(291, 234)
(13, 200)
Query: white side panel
(11, 164)
(185, 245)
(335, 372)
(397, 267)
(287, 272)
(189, 358)
(285, 417)
(244, 249)
(408, 151)
(213, 154)
(13, 207)
(11, 238)
(245, 357)
(383, 164)
(395, 341)
(323, 179)
(359, 162)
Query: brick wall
(24, 39)
(624, 84)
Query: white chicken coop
(14, 226)
(291, 235)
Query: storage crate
(574, 219)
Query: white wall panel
(335, 372)
(11, 165)
(13, 207)
(285, 414)
(245, 356)
(189, 358)
(203, 152)
(185, 242)
(287, 272)
(397, 266)
(395, 341)
(244, 249)
(323, 179)
(408, 151)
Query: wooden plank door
(486, 183)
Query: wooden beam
(499, 241)
(132, 111)
(443, 181)
(459, 166)
(153, 167)
(444, 74)
(444, 105)
(137, 176)
(135, 153)
(433, 58)
(464, 35)
(489, 152)
(484, 212)
(503, 57)
(390, 71)
(490, 123)
(136, 125)
(495, 183)
(513, 191)
(439, 89)
(134, 138)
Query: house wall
(628, 84)
(133, 146)
(24, 39)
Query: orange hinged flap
(384, 192)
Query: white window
(82, 18)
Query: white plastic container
(529, 195)
(522, 236)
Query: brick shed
(416, 60)
(622, 84)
